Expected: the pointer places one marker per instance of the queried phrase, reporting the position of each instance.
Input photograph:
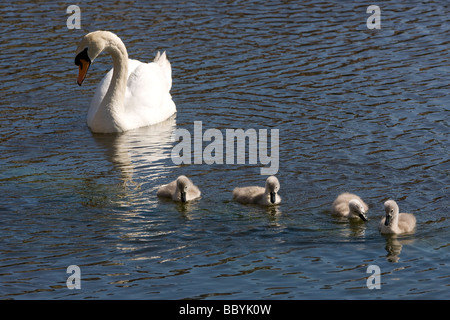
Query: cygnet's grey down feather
(395, 222)
(350, 205)
(259, 195)
(182, 189)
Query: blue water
(357, 110)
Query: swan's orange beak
(82, 71)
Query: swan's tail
(164, 63)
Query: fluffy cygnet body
(395, 222)
(350, 205)
(259, 195)
(182, 189)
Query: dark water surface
(357, 110)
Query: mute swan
(259, 195)
(350, 205)
(396, 222)
(182, 189)
(133, 94)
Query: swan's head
(272, 187)
(391, 209)
(183, 184)
(90, 47)
(357, 209)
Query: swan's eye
(82, 55)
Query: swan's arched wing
(147, 97)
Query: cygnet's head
(272, 187)
(183, 184)
(357, 209)
(391, 209)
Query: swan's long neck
(112, 105)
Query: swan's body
(395, 222)
(182, 189)
(133, 94)
(259, 195)
(350, 205)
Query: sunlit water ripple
(357, 110)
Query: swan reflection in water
(394, 245)
(350, 228)
(141, 155)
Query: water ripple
(358, 110)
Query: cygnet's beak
(388, 220)
(273, 196)
(363, 216)
(183, 196)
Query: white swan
(259, 195)
(395, 222)
(133, 94)
(182, 189)
(350, 205)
